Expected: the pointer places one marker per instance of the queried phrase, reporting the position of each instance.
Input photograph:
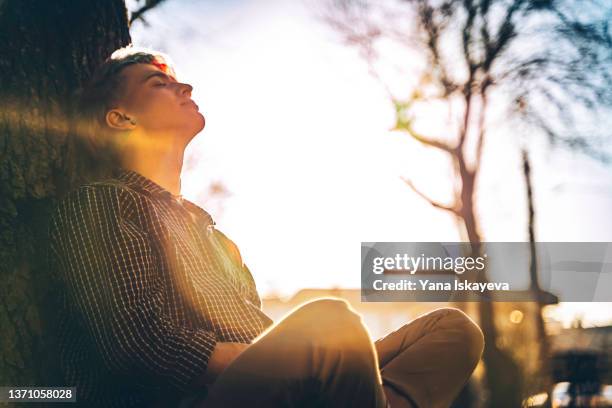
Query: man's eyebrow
(157, 74)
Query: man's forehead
(137, 73)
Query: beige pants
(320, 355)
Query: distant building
(583, 353)
(579, 338)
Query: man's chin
(199, 123)
(197, 128)
(203, 122)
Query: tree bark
(544, 351)
(502, 373)
(47, 50)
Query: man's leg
(318, 356)
(428, 360)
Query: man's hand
(223, 355)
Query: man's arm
(223, 355)
(231, 249)
(112, 278)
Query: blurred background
(335, 122)
(330, 123)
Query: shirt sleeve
(111, 272)
(232, 251)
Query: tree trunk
(502, 373)
(544, 351)
(47, 50)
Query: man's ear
(118, 120)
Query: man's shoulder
(111, 194)
(101, 189)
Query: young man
(159, 309)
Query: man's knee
(345, 346)
(327, 311)
(331, 320)
(468, 336)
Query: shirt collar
(148, 186)
(140, 182)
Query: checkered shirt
(149, 285)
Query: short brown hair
(102, 93)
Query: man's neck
(162, 167)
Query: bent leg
(431, 358)
(319, 355)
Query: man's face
(160, 106)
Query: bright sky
(297, 130)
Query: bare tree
(547, 61)
(544, 351)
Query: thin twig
(452, 209)
(149, 4)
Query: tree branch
(481, 131)
(452, 209)
(466, 37)
(149, 4)
(432, 31)
(424, 140)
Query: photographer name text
(429, 285)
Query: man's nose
(185, 89)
